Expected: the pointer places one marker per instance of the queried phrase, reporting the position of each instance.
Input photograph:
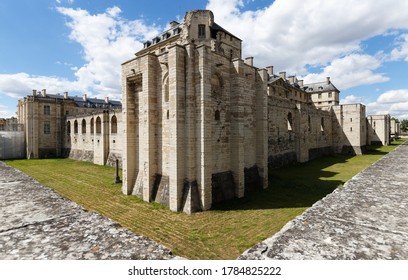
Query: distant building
(323, 94)
(44, 117)
(395, 129)
(379, 130)
(9, 124)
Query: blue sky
(78, 45)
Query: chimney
(270, 70)
(44, 93)
(34, 92)
(291, 80)
(282, 75)
(300, 83)
(66, 95)
(249, 61)
(84, 97)
(328, 80)
(106, 99)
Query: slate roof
(320, 87)
(90, 102)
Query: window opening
(201, 31)
(83, 128)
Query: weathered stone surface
(161, 189)
(37, 223)
(366, 219)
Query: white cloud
(292, 34)
(394, 102)
(394, 96)
(6, 112)
(352, 99)
(22, 84)
(401, 51)
(350, 71)
(107, 41)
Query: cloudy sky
(78, 45)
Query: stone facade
(378, 132)
(350, 129)
(44, 118)
(395, 129)
(94, 137)
(201, 125)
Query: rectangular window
(47, 109)
(319, 95)
(330, 95)
(47, 128)
(201, 31)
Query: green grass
(222, 233)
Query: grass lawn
(222, 233)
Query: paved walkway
(37, 223)
(366, 219)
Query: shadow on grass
(295, 186)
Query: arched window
(98, 125)
(92, 126)
(68, 128)
(83, 128)
(75, 126)
(290, 122)
(114, 124)
(217, 116)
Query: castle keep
(202, 125)
(59, 125)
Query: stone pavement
(37, 223)
(366, 219)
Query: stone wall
(350, 128)
(378, 130)
(297, 132)
(94, 137)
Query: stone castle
(198, 124)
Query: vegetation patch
(222, 233)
